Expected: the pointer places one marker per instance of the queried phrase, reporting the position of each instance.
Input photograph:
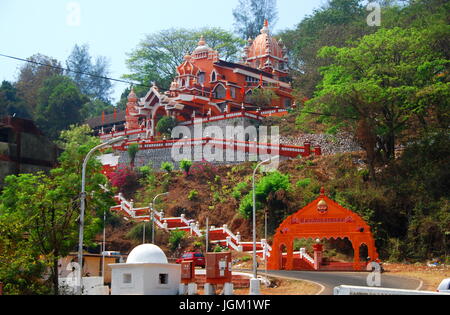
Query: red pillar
(290, 255)
(318, 255)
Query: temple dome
(132, 97)
(202, 47)
(264, 45)
(147, 254)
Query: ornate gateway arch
(321, 219)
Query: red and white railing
(222, 236)
(224, 144)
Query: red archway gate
(321, 219)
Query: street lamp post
(83, 205)
(254, 283)
(152, 212)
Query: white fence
(352, 290)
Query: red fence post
(318, 151)
(307, 146)
(1, 288)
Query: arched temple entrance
(321, 219)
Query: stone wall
(156, 157)
(330, 144)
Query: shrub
(271, 183)
(165, 125)
(303, 183)
(137, 232)
(133, 149)
(239, 190)
(186, 165)
(168, 167)
(204, 170)
(125, 179)
(175, 239)
(193, 195)
(218, 249)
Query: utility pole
(207, 234)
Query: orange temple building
(206, 86)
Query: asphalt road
(329, 280)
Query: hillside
(199, 196)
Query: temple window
(287, 102)
(201, 78)
(220, 92)
(213, 76)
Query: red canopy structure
(321, 219)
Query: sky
(112, 28)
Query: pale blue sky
(112, 28)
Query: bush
(239, 190)
(204, 170)
(303, 183)
(133, 149)
(218, 249)
(165, 125)
(168, 167)
(137, 232)
(271, 183)
(125, 179)
(175, 239)
(193, 195)
(186, 165)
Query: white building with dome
(146, 272)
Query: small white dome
(147, 254)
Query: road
(329, 280)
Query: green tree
(59, 105)
(48, 205)
(175, 239)
(32, 76)
(20, 268)
(96, 85)
(165, 125)
(157, 57)
(333, 24)
(10, 103)
(386, 88)
(261, 97)
(249, 16)
(264, 191)
(133, 150)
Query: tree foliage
(59, 105)
(10, 102)
(32, 76)
(264, 189)
(387, 87)
(165, 125)
(47, 206)
(81, 63)
(159, 54)
(249, 16)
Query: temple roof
(109, 120)
(264, 45)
